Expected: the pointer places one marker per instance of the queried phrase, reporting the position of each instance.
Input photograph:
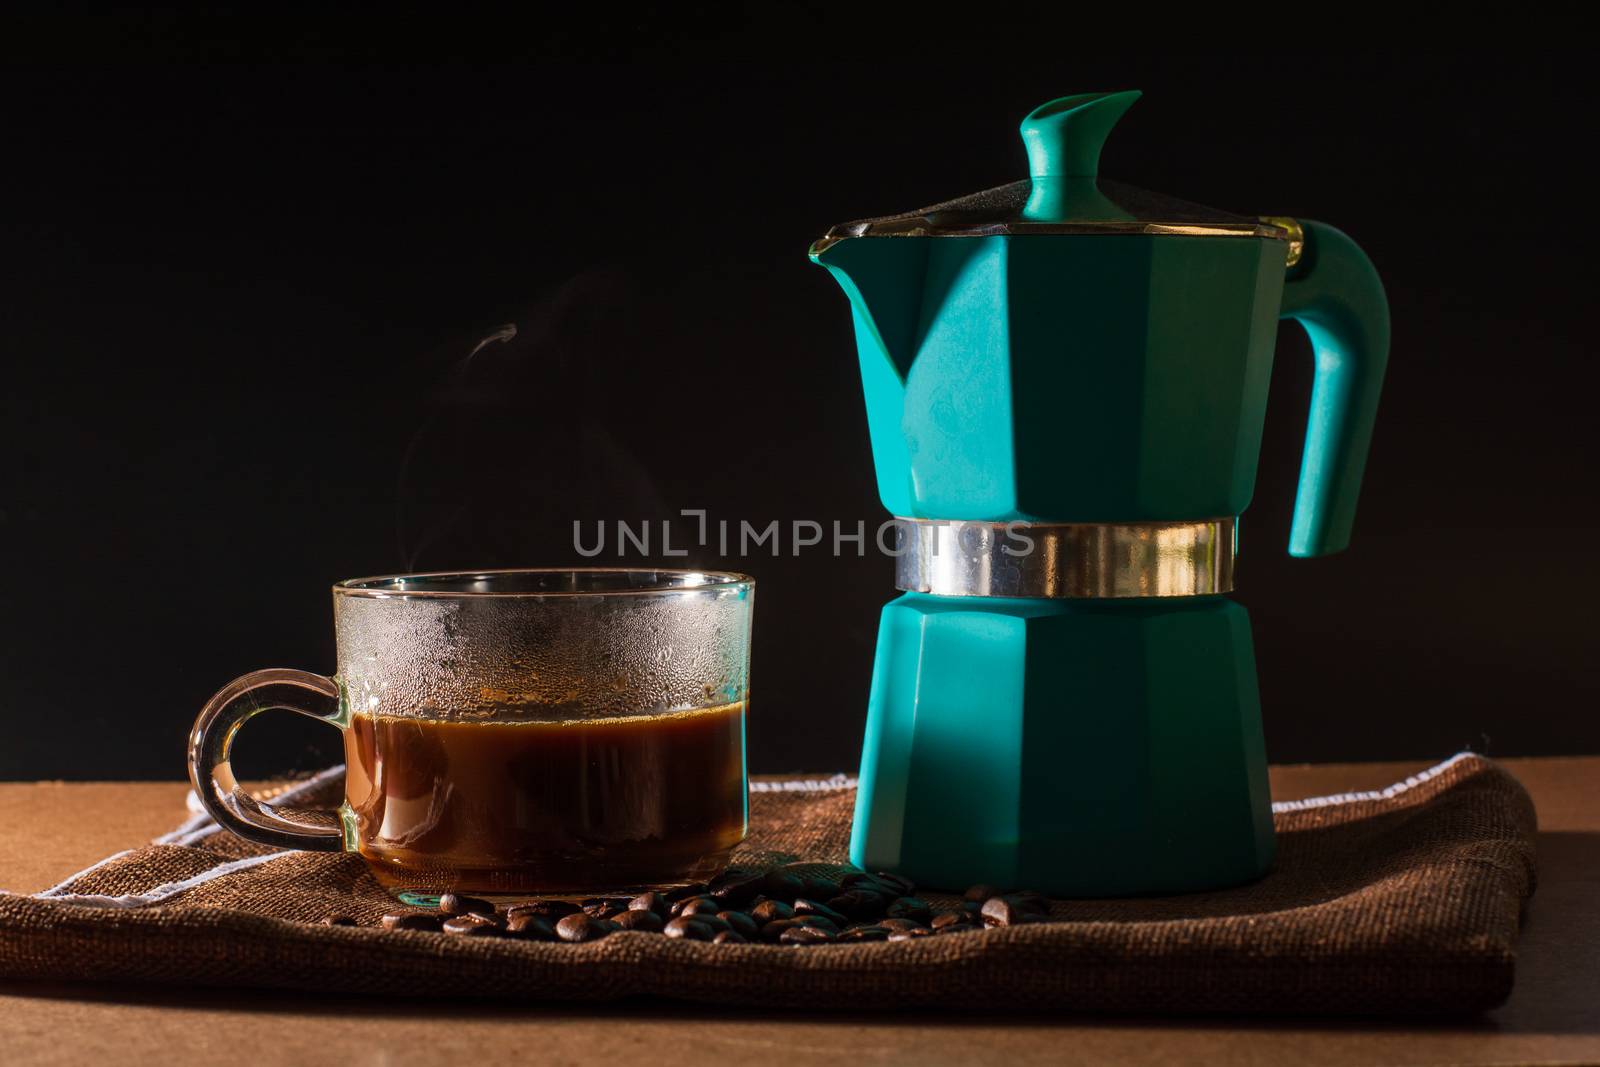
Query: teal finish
(1334, 292)
(1084, 748)
(1089, 747)
(1063, 139)
(1108, 378)
(1064, 379)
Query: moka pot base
(1071, 706)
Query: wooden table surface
(54, 829)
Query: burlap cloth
(1403, 901)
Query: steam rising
(521, 434)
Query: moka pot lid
(1064, 194)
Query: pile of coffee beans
(800, 904)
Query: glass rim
(665, 581)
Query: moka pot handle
(1334, 293)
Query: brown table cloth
(1403, 901)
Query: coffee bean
(737, 888)
(716, 922)
(580, 926)
(980, 893)
(605, 907)
(805, 935)
(783, 885)
(652, 902)
(865, 933)
(684, 892)
(471, 925)
(908, 935)
(773, 930)
(689, 928)
(816, 880)
(873, 883)
(820, 886)
(947, 918)
(972, 909)
(899, 883)
(818, 920)
(770, 911)
(739, 923)
(550, 910)
(998, 911)
(859, 904)
(459, 904)
(530, 928)
(339, 920)
(900, 924)
(957, 928)
(804, 906)
(1011, 910)
(729, 937)
(639, 919)
(914, 908)
(701, 905)
(410, 922)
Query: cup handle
(211, 743)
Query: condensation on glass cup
(518, 732)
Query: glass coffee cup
(516, 732)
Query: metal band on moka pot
(950, 557)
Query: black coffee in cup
(523, 807)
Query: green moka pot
(1066, 381)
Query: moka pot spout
(884, 281)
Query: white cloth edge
(60, 886)
(1386, 793)
(160, 892)
(805, 785)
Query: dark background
(244, 264)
